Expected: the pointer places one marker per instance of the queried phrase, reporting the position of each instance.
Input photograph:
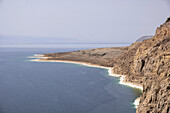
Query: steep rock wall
(152, 61)
(148, 63)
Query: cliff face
(148, 63)
(152, 62)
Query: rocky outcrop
(152, 61)
(148, 63)
(145, 62)
(100, 56)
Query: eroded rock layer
(152, 61)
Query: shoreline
(41, 58)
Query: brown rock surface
(152, 61)
(100, 56)
(146, 63)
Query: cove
(50, 87)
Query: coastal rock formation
(145, 62)
(148, 63)
(152, 61)
(100, 56)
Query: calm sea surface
(44, 87)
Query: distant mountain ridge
(34, 40)
(144, 38)
(14, 40)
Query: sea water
(50, 87)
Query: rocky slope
(148, 63)
(145, 62)
(100, 56)
(152, 61)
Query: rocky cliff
(145, 62)
(148, 63)
(152, 61)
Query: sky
(84, 21)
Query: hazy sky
(82, 20)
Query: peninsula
(146, 63)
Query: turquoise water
(46, 87)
